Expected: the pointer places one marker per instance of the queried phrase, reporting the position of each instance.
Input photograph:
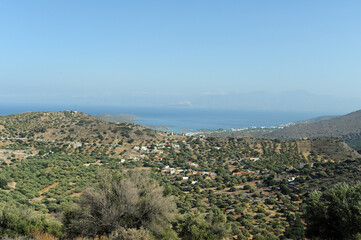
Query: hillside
(117, 118)
(336, 127)
(48, 160)
(347, 127)
(320, 149)
(316, 119)
(68, 125)
(332, 149)
(73, 132)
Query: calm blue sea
(193, 119)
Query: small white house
(291, 179)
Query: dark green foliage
(334, 214)
(354, 141)
(3, 182)
(197, 226)
(296, 230)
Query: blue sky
(159, 52)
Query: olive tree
(334, 214)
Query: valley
(260, 186)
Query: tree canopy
(336, 213)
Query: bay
(181, 119)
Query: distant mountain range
(298, 100)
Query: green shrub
(17, 220)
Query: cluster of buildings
(186, 173)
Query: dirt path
(76, 194)
(44, 190)
(12, 185)
(138, 168)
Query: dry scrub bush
(130, 201)
(131, 234)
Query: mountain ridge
(337, 127)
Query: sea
(182, 119)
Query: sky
(154, 53)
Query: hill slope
(117, 118)
(316, 119)
(74, 125)
(336, 127)
(75, 131)
(47, 160)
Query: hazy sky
(102, 52)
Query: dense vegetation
(63, 172)
(336, 213)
